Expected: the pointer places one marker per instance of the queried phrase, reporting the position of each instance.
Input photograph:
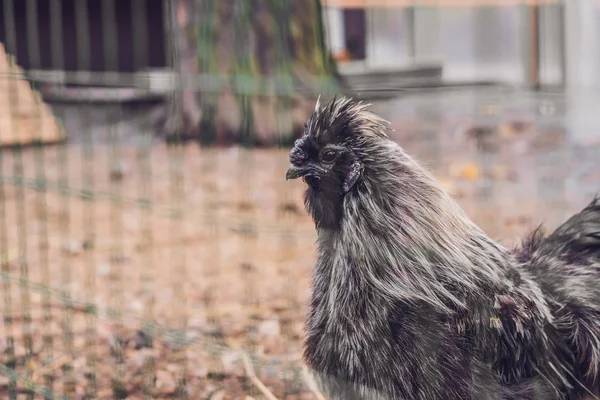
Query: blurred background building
(521, 43)
(155, 250)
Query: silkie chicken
(411, 300)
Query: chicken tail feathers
(568, 263)
(577, 241)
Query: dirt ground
(139, 270)
(223, 255)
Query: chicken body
(411, 300)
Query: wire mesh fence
(131, 267)
(138, 267)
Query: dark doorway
(148, 25)
(355, 32)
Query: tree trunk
(256, 61)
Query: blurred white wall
(334, 28)
(552, 45)
(388, 37)
(471, 43)
(485, 43)
(582, 44)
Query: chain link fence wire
(134, 264)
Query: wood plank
(24, 117)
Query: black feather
(577, 241)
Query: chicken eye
(328, 156)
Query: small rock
(269, 328)
(136, 305)
(165, 383)
(172, 368)
(229, 359)
(220, 395)
(141, 340)
(117, 171)
(142, 356)
(200, 372)
(73, 247)
(102, 270)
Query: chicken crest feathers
(345, 117)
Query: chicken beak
(295, 172)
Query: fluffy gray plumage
(411, 300)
